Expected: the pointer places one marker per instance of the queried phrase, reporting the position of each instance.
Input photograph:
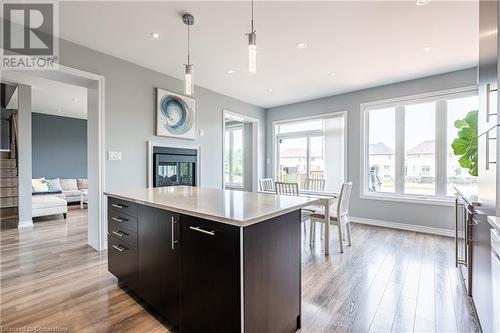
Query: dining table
(325, 199)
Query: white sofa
(43, 205)
(72, 188)
(53, 199)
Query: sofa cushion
(68, 184)
(72, 193)
(54, 185)
(40, 202)
(39, 185)
(82, 183)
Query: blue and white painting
(175, 115)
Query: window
(311, 152)
(420, 148)
(233, 156)
(381, 150)
(408, 145)
(457, 176)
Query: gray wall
(59, 147)
(130, 117)
(419, 214)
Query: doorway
(94, 86)
(240, 146)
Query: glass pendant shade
(188, 80)
(252, 52)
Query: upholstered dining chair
(266, 184)
(338, 217)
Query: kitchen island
(209, 260)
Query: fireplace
(174, 166)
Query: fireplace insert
(174, 166)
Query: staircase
(9, 193)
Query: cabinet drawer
(122, 260)
(125, 207)
(123, 220)
(116, 230)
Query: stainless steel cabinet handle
(172, 224)
(118, 206)
(211, 233)
(119, 248)
(487, 154)
(488, 93)
(117, 233)
(117, 219)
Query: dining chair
(338, 217)
(266, 184)
(315, 185)
(293, 189)
(286, 188)
(316, 174)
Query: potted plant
(465, 145)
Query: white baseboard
(403, 226)
(25, 224)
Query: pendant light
(252, 48)
(188, 20)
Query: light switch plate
(114, 155)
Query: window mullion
(231, 156)
(441, 148)
(400, 150)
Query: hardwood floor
(388, 280)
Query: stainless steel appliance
(464, 220)
(495, 274)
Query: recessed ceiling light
(427, 49)
(155, 35)
(422, 2)
(269, 89)
(231, 71)
(59, 110)
(75, 99)
(332, 74)
(301, 46)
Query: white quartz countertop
(495, 222)
(237, 208)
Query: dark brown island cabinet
(202, 275)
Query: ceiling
(365, 44)
(52, 97)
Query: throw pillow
(54, 185)
(39, 185)
(69, 184)
(82, 183)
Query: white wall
(409, 213)
(24, 153)
(130, 117)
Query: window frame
(440, 98)
(230, 146)
(276, 136)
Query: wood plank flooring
(388, 280)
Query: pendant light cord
(188, 46)
(252, 17)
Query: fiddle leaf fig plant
(465, 145)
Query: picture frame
(175, 115)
